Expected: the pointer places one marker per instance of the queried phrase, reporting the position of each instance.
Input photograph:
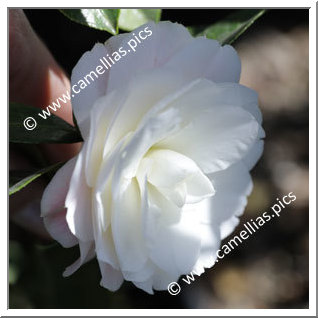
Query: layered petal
(173, 247)
(89, 84)
(141, 99)
(111, 278)
(216, 138)
(177, 177)
(87, 252)
(210, 243)
(53, 206)
(144, 274)
(232, 186)
(158, 281)
(54, 195)
(165, 40)
(151, 132)
(78, 202)
(100, 118)
(57, 226)
(219, 64)
(127, 228)
(254, 154)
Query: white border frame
(312, 164)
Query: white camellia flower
(163, 174)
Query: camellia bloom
(163, 173)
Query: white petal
(162, 279)
(153, 52)
(174, 247)
(160, 209)
(169, 167)
(225, 66)
(145, 286)
(158, 281)
(216, 138)
(57, 226)
(105, 248)
(254, 154)
(177, 195)
(199, 187)
(228, 226)
(87, 253)
(233, 94)
(53, 199)
(145, 273)
(53, 206)
(143, 93)
(83, 102)
(178, 177)
(232, 187)
(102, 205)
(210, 243)
(100, 118)
(78, 202)
(207, 134)
(154, 130)
(205, 94)
(219, 64)
(127, 228)
(112, 279)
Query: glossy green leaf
(101, 19)
(53, 129)
(229, 29)
(130, 19)
(20, 179)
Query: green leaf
(50, 130)
(130, 19)
(228, 30)
(20, 179)
(101, 19)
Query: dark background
(270, 269)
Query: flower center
(175, 176)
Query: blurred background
(270, 269)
